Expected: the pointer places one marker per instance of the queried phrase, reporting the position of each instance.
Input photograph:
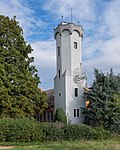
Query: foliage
(104, 102)
(20, 130)
(52, 133)
(60, 116)
(81, 132)
(28, 130)
(19, 92)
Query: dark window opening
(59, 94)
(74, 112)
(59, 73)
(41, 116)
(51, 116)
(44, 116)
(48, 116)
(77, 112)
(58, 51)
(76, 92)
(75, 45)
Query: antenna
(71, 14)
(62, 18)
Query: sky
(100, 20)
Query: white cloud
(112, 18)
(82, 9)
(44, 60)
(44, 52)
(24, 14)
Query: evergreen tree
(19, 92)
(104, 101)
(60, 116)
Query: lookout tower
(69, 82)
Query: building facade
(48, 114)
(69, 81)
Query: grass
(68, 145)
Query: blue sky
(100, 20)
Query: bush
(60, 116)
(100, 133)
(77, 132)
(52, 133)
(20, 130)
(27, 130)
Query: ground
(66, 145)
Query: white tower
(69, 82)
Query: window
(76, 92)
(76, 113)
(58, 51)
(75, 45)
(59, 73)
(59, 94)
(44, 116)
(51, 116)
(41, 117)
(48, 116)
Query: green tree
(104, 99)
(19, 92)
(60, 116)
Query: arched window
(75, 45)
(76, 92)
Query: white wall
(59, 88)
(65, 51)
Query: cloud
(112, 18)
(44, 51)
(24, 14)
(44, 60)
(81, 9)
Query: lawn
(65, 145)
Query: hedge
(52, 133)
(20, 130)
(78, 132)
(28, 130)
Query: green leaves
(19, 92)
(104, 96)
(60, 116)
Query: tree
(19, 92)
(104, 98)
(60, 116)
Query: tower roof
(68, 26)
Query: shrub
(77, 132)
(27, 130)
(100, 133)
(20, 129)
(60, 116)
(74, 132)
(52, 133)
